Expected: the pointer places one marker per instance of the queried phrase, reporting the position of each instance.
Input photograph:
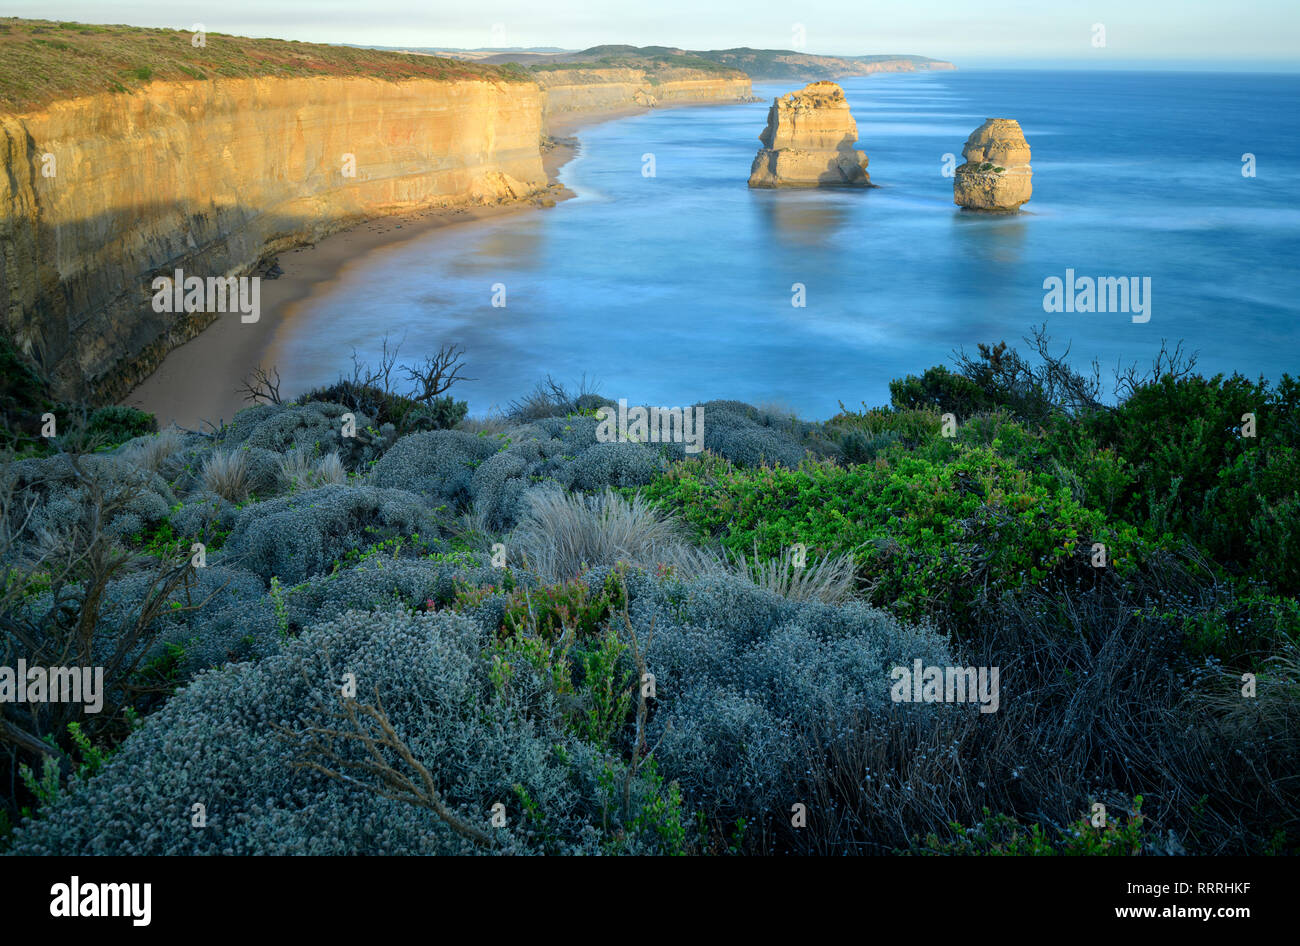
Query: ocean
(669, 281)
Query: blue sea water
(677, 288)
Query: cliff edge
(131, 154)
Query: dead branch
(437, 374)
(261, 385)
(371, 728)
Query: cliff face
(211, 176)
(996, 175)
(579, 90)
(808, 142)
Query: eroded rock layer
(808, 142)
(996, 175)
(566, 91)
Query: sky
(1256, 34)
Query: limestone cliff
(808, 142)
(996, 175)
(104, 192)
(591, 90)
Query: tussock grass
(829, 580)
(152, 453)
(564, 534)
(225, 473)
(300, 470)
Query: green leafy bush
(24, 397)
(1242, 629)
(941, 390)
(930, 538)
(563, 631)
(1195, 473)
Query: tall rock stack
(808, 142)
(996, 175)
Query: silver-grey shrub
(748, 443)
(295, 537)
(747, 679)
(613, 464)
(381, 581)
(216, 743)
(499, 484)
(439, 463)
(237, 620)
(316, 427)
(61, 499)
(204, 515)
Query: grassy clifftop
(755, 63)
(766, 64)
(42, 61)
(650, 58)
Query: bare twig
(262, 385)
(372, 729)
(437, 374)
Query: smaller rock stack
(996, 175)
(808, 142)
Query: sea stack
(996, 175)
(808, 142)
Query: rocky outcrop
(996, 175)
(567, 91)
(808, 142)
(105, 192)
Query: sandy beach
(181, 390)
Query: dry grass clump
(225, 472)
(300, 470)
(829, 580)
(152, 453)
(564, 534)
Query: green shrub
(941, 390)
(118, 424)
(1243, 629)
(930, 538)
(24, 397)
(1195, 473)
(564, 633)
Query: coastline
(231, 350)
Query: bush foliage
(634, 650)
